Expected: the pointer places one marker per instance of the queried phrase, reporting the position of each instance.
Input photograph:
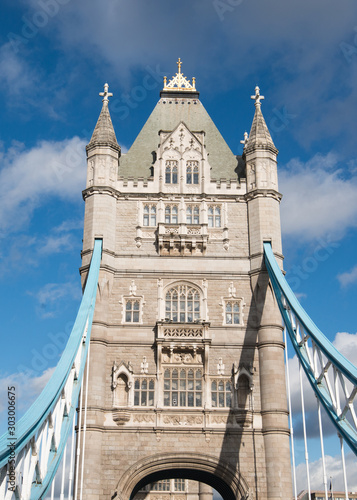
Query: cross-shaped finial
(179, 65)
(257, 96)
(245, 140)
(105, 94)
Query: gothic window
(182, 304)
(192, 172)
(183, 387)
(232, 312)
(193, 214)
(179, 484)
(132, 310)
(163, 485)
(221, 393)
(243, 392)
(171, 172)
(171, 214)
(149, 215)
(214, 216)
(144, 390)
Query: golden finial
(180, 82)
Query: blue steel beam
(35, 418)
(297, 322)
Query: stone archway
(207, 469)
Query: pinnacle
(104, 134)
(259, 136)
(259, 133)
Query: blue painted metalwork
(30, 424)
(301, 328)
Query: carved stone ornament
(183, 332)
(183, 419)
(121, 416)
(180, 356)
(147, 418)
(244, 418)
(223, 419)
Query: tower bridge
(180, 327)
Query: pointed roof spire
(104, 134)
(259, 136)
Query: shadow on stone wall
(241, 444)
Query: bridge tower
(186, 375)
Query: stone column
(205, 492)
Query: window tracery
(232, 312)
(182, 304)
(171, 214)
(192, 172)
(214, 216)
(221, 393)
(149, 217)
(144, 392)
(132, 310)
(183, 387)
(171, 172)
(193, 214)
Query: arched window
(149, 215)
(132, 311)
(183, 387)
(171, 214)
(182, 304)
(171, 171)
(232, 312)
(193, 214)
(192, 172)
(214, 216)
(221, 393)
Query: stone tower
(186, 377)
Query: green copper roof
(167, 114)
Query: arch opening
(221, 476)
(203, 477)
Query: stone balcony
(182, 239)
(168, 330)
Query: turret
(262, 185)
(263, 201)
(103, 153)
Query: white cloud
(333, 470)
(15, 73)
(30, 177)
(51, 296)
(346, 344)
(348, 278)
(56, 244)
(319, 201)
(69, 225)
(28, 388)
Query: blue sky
(55, 56)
